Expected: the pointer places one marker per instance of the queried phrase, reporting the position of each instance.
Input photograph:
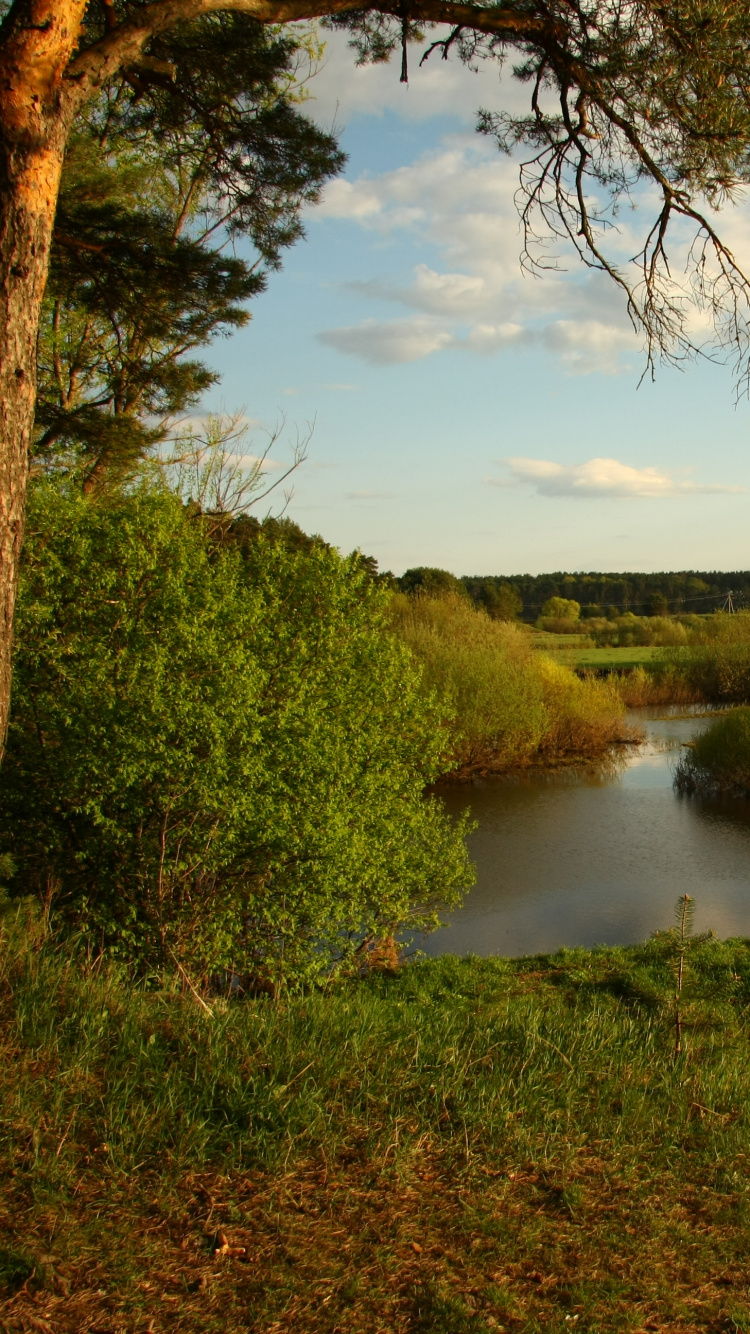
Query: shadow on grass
(437, 1311)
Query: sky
(460, 413)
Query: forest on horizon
(599, 594)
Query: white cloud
(386, 343)
(249, 462)
(583, 345)
(460, 199)
(602, 478)
(342, 88)
(588, 345)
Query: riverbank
(460, 1147)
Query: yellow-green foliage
(662, 683)
(643, 631)
(720, 758)
(717, 663)
(508, 704)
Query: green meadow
(460, 1146)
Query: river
(575, 858)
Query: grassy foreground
(465, 1146)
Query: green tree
(153, 192)
(619, 95)
(561, 609)
(500, 599)
(430, 582)
(217, 753)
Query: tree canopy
(623, 95)
(619, 94)
(218, 751)
(154, 192)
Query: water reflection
(582, 859)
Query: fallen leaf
(223, 1247)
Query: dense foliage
(510, 704)
(719, 759)
(600, 595)
(217, 754)
(717, 662)
(158, 181)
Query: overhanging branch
(123, 46)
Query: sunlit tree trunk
(37, 39)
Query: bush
(217, 756)
(507, 704)
(718, 665)
(561, 609)
(643, 631)
(719, 760)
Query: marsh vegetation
(507, 706)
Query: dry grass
(663, 685)
(462, 1147)
(349, 1245)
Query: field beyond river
(458, 1147)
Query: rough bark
(37, 40)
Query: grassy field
(578, 651)
(462, 1147)
(611, 658)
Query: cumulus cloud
(460, 199)
(601, 478)
(583, 345)
(342, 88)
(252, 463)
(386, 343)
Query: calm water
(576, 859)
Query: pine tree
(158, 182)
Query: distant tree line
(522, 596)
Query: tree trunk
(25, 231)
(37, 39)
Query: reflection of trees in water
(731, 812)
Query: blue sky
(467, 416)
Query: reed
(663, 684)
(718, 761)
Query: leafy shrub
(562, 609)
(508, 704)
(217, 756)
(718, 666)
(719, 760)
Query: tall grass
(719, 759)
(718, 664)
(510, 706)
(662, 683)
(469, 1139)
